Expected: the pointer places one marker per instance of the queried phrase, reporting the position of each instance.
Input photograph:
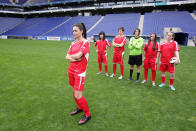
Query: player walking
(78, 54)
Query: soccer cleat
(76, 111)
(172, 87)
(129, 79)
(161, 85)
(137, 81)
(120, 77)
(144, 81)
(99, 73)
(153, 84)
(106, 74)
(84, 120)
(112, 75)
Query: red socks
(145, 74)
(79, 107)
(163, 79)
(83, 103)
(106, 68)
(114, 69)
(121, 69)
(171, 81)
(153, 75)
(100, 66)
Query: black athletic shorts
(135, 60)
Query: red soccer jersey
(79, 67)
(119, 40)
(149, 52)
(102, 45)
(167, 51)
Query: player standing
(102, 43)
(118, 54)
(150, 57)
(135, 55)
(168, 50)
(78, 55)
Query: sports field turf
(35, 96)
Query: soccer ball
(173, 60)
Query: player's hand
(159, 62)
(96, 50)
(143, 58)
(105, 51)
(177, 61)
(156, 61)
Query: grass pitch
(35, 96)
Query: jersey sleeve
(124, 40)
(157, 47)
(176, 46)
(85, 48)
(145, 47)
(69, 51)
(114, 39)
(96, 43)
(108, 43)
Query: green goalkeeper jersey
(136, 47)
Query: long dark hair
(82, 27)
(135, 31)
(121, 28)
(154, 44)
(102, 33)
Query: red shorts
(76, 81)
(167, 67)
(118, 57)
(150, 63)
(102, 58)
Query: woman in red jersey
(102, 43)
(168, 50)
(118, 55)
(78, 55)
(150, 58)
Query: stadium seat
(155, 22)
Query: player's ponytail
(82, 27)
(84, 30)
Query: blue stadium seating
(66, 29)
(21, 2)
(36, 26)
(7, 23)
(112, 22)
(155, 22)
(5, 1)
(194, 12)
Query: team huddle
(150, 53)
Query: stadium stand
(36, 26)
(194, 12)
(7, 23)
(112, 22)
(155, 22)
(5, 1)
(22, 1)
(66, 29)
